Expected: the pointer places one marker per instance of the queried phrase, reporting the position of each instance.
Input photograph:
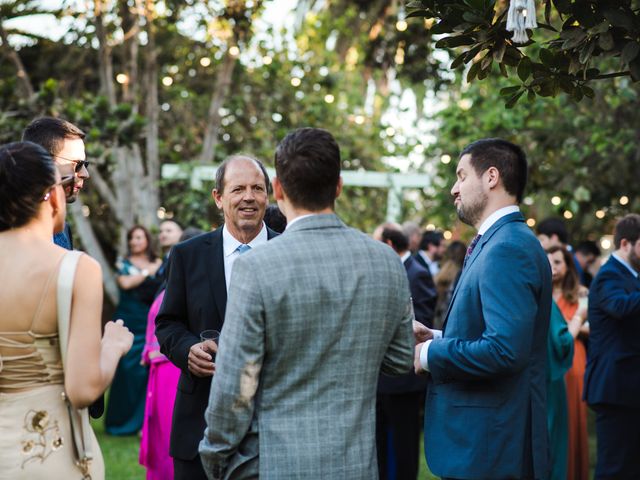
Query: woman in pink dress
(161, 394)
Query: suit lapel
(512, 217)
(217, 282)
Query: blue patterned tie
(472, 245)
(243, 248)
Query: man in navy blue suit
(612, 378)
(485, 409)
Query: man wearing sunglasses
(65, 142)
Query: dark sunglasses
(64, 182)
(78, 163)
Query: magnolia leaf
(513, 100)
(524, 69)
(630, 51)
(605, 41)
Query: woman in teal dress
(559, 360)
(137, 285)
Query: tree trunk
(23, 77)
(104, 52)
(152, 111)
(92, 247)
(223, 82)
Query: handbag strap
(80, 426)
(66, 275)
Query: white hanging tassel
(521, 15)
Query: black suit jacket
(195, 300)
(423, 297)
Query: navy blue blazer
(423, 297)
(485, 411)
(613, 360)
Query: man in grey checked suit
(312, 318)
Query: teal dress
(559, 360)
(125, 407)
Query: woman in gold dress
(35, 436)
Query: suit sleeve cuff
(424, 353)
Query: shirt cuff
(424, 353)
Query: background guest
(552, 231)
(560, 358)
(586, 258)
(161, 395)
(447, 279)
(137, 284)
(612, 378)
(566, 292)
(168, 235)
(274, 219)
(400, 398)
(432, 249)
(413, 233)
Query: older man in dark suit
(196, 298)
(612, 378)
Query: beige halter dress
(35, 436)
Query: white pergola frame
(395, 182)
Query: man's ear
(493, 176)
(278, 192)
(217, 198)
(339, 187)
(55, 199)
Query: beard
(472, 212)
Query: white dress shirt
(230, 248)
(486, 225)
(433, 266)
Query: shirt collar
(495, 216)
(230, 244)
(299, 218)
(626, 264)
(406, 255)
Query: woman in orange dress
(567, 294)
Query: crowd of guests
(470, 339)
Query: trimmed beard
(470, 214)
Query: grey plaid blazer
(312, 317)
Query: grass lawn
(121, 454)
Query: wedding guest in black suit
(196, 296)
(400, 398)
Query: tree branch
(612, 75)
(104, 50)
(92, 247)
(104, 190)
(23, 77)
(223, 82)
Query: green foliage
(585, 153)
(579, 39)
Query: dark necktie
(472, 245)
